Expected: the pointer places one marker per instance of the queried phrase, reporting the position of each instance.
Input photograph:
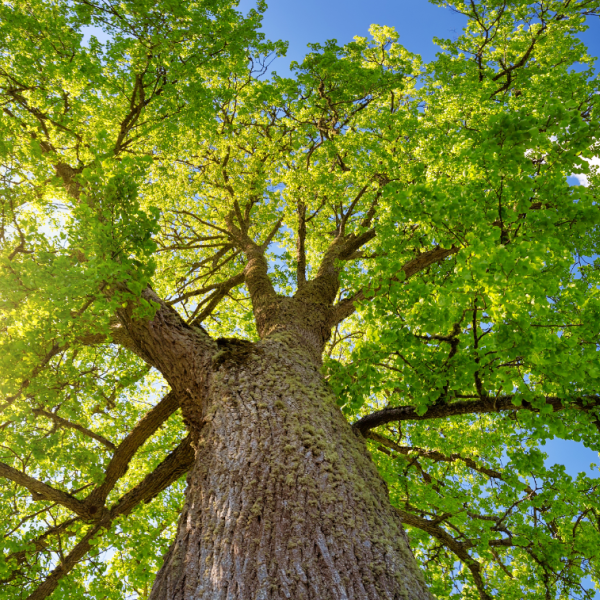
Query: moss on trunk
(284, 501)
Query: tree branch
(221, 291)
(300, 246)
(260, 286)
(42, 491)
(348, 213)
(169, 470)
(457, 548)
(271, 235)
(56, 348)
(229, 284)
(436, 456)
(508, 71)
(167, 342)
(78, 552)
(347, 306)
(118, 335)
(65, 423)
(466, 407)
(38, 543)
(119, 463)
(324, 287)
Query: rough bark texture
(283, 501)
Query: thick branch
(42, 491)
(68, 175)
(256, 271)
(119, 464)
(324, 287)
(117, 334)
(468, 407)
(347, 306)
(169, 470)
(300, 246)
(167, 342)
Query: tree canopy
(466, 307)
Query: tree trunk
(284, 501)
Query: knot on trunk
(233, 351)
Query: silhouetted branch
(69, 424)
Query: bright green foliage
(125, 162)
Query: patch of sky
(88, 31)
(582, 178)
(312, 21)
(574, 456)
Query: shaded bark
(283, 500)
(181, 352)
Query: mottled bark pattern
(284, 501)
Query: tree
(357, 298)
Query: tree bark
(283, 501)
